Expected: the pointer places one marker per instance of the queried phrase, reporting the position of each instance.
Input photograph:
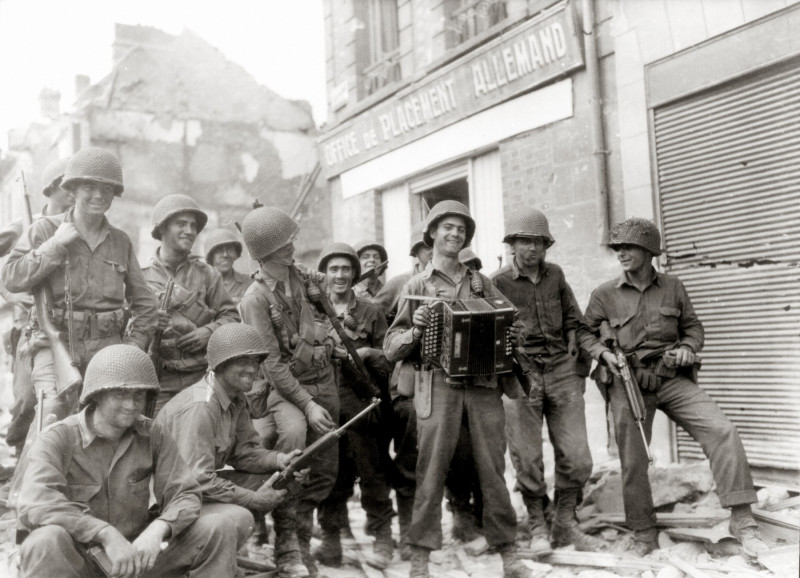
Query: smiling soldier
(200, 303)
(222, 249)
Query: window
(467, 19)
(383, 45)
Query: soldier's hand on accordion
(422, 317)
(517, 331)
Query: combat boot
(419, 562)
(565, 529)
(382, 549)
(745, 529)
(304, 527)
(287, 550)
(405, 508)
(464, 526)
(537, 527)
(329, 552)
(513, 567)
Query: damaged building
(594, 111)
(181, 118)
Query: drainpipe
(598, 133)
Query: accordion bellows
(470, 337)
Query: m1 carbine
(286, 480)
(632, 392)
(67, 374)
(374, 272)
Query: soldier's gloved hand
(422, 317)
(164, 317)
(611, 362)
(66, 234)
(267, 497)
(319, 419)
(194, 341)
(683, 356)
(149, 545)
(121, 553)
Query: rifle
(286, 478)
(316, 295)
(632, 392)
(67, 375)
(155, 346)
(374, 272)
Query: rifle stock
(369, 273)
(67, 375)
(286, 478)
(155, 347)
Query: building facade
(594, 111)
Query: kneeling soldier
(211, 424)
(653, 321)
(89, 480)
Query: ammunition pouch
(90, 325)
(188, 304)
(173, 359)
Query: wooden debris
(783, 561)
(669, 520)
(783, 504)
(593, 559)
(710, 535)
(248, 564)
(778, 526)
(687, 568)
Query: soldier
(442, 402)
(370, 254)
(360, 452)
(303, 403)
(212, 427)
(654, 323)
(222, 249)
(468, 257)
(91, 269)
(200, 303)
(89, 483)
(550, 316)
(389, 295)
(59, 200)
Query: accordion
(470, 337)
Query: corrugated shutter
(729, 184)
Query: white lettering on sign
(419, 109)
(341, 148)
(538, 49)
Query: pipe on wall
(599, 151)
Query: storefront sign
(531, 55)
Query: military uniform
(236, 283)
(199, 299)
(78, 483)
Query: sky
(45, 43)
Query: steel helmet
(446, 208)
(218, 238)
(267, 229)
(468, 255)
(416, 238)
(362, 246)
(170, 206)
(636, 231)
(119, 366)
(339, 250)
(234, 340)
(93, 165)
(528, 222)
(53, 175)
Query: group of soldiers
(201, 385)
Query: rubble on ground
(693, 539)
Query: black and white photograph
(400, 288)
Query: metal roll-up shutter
(729, 186)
